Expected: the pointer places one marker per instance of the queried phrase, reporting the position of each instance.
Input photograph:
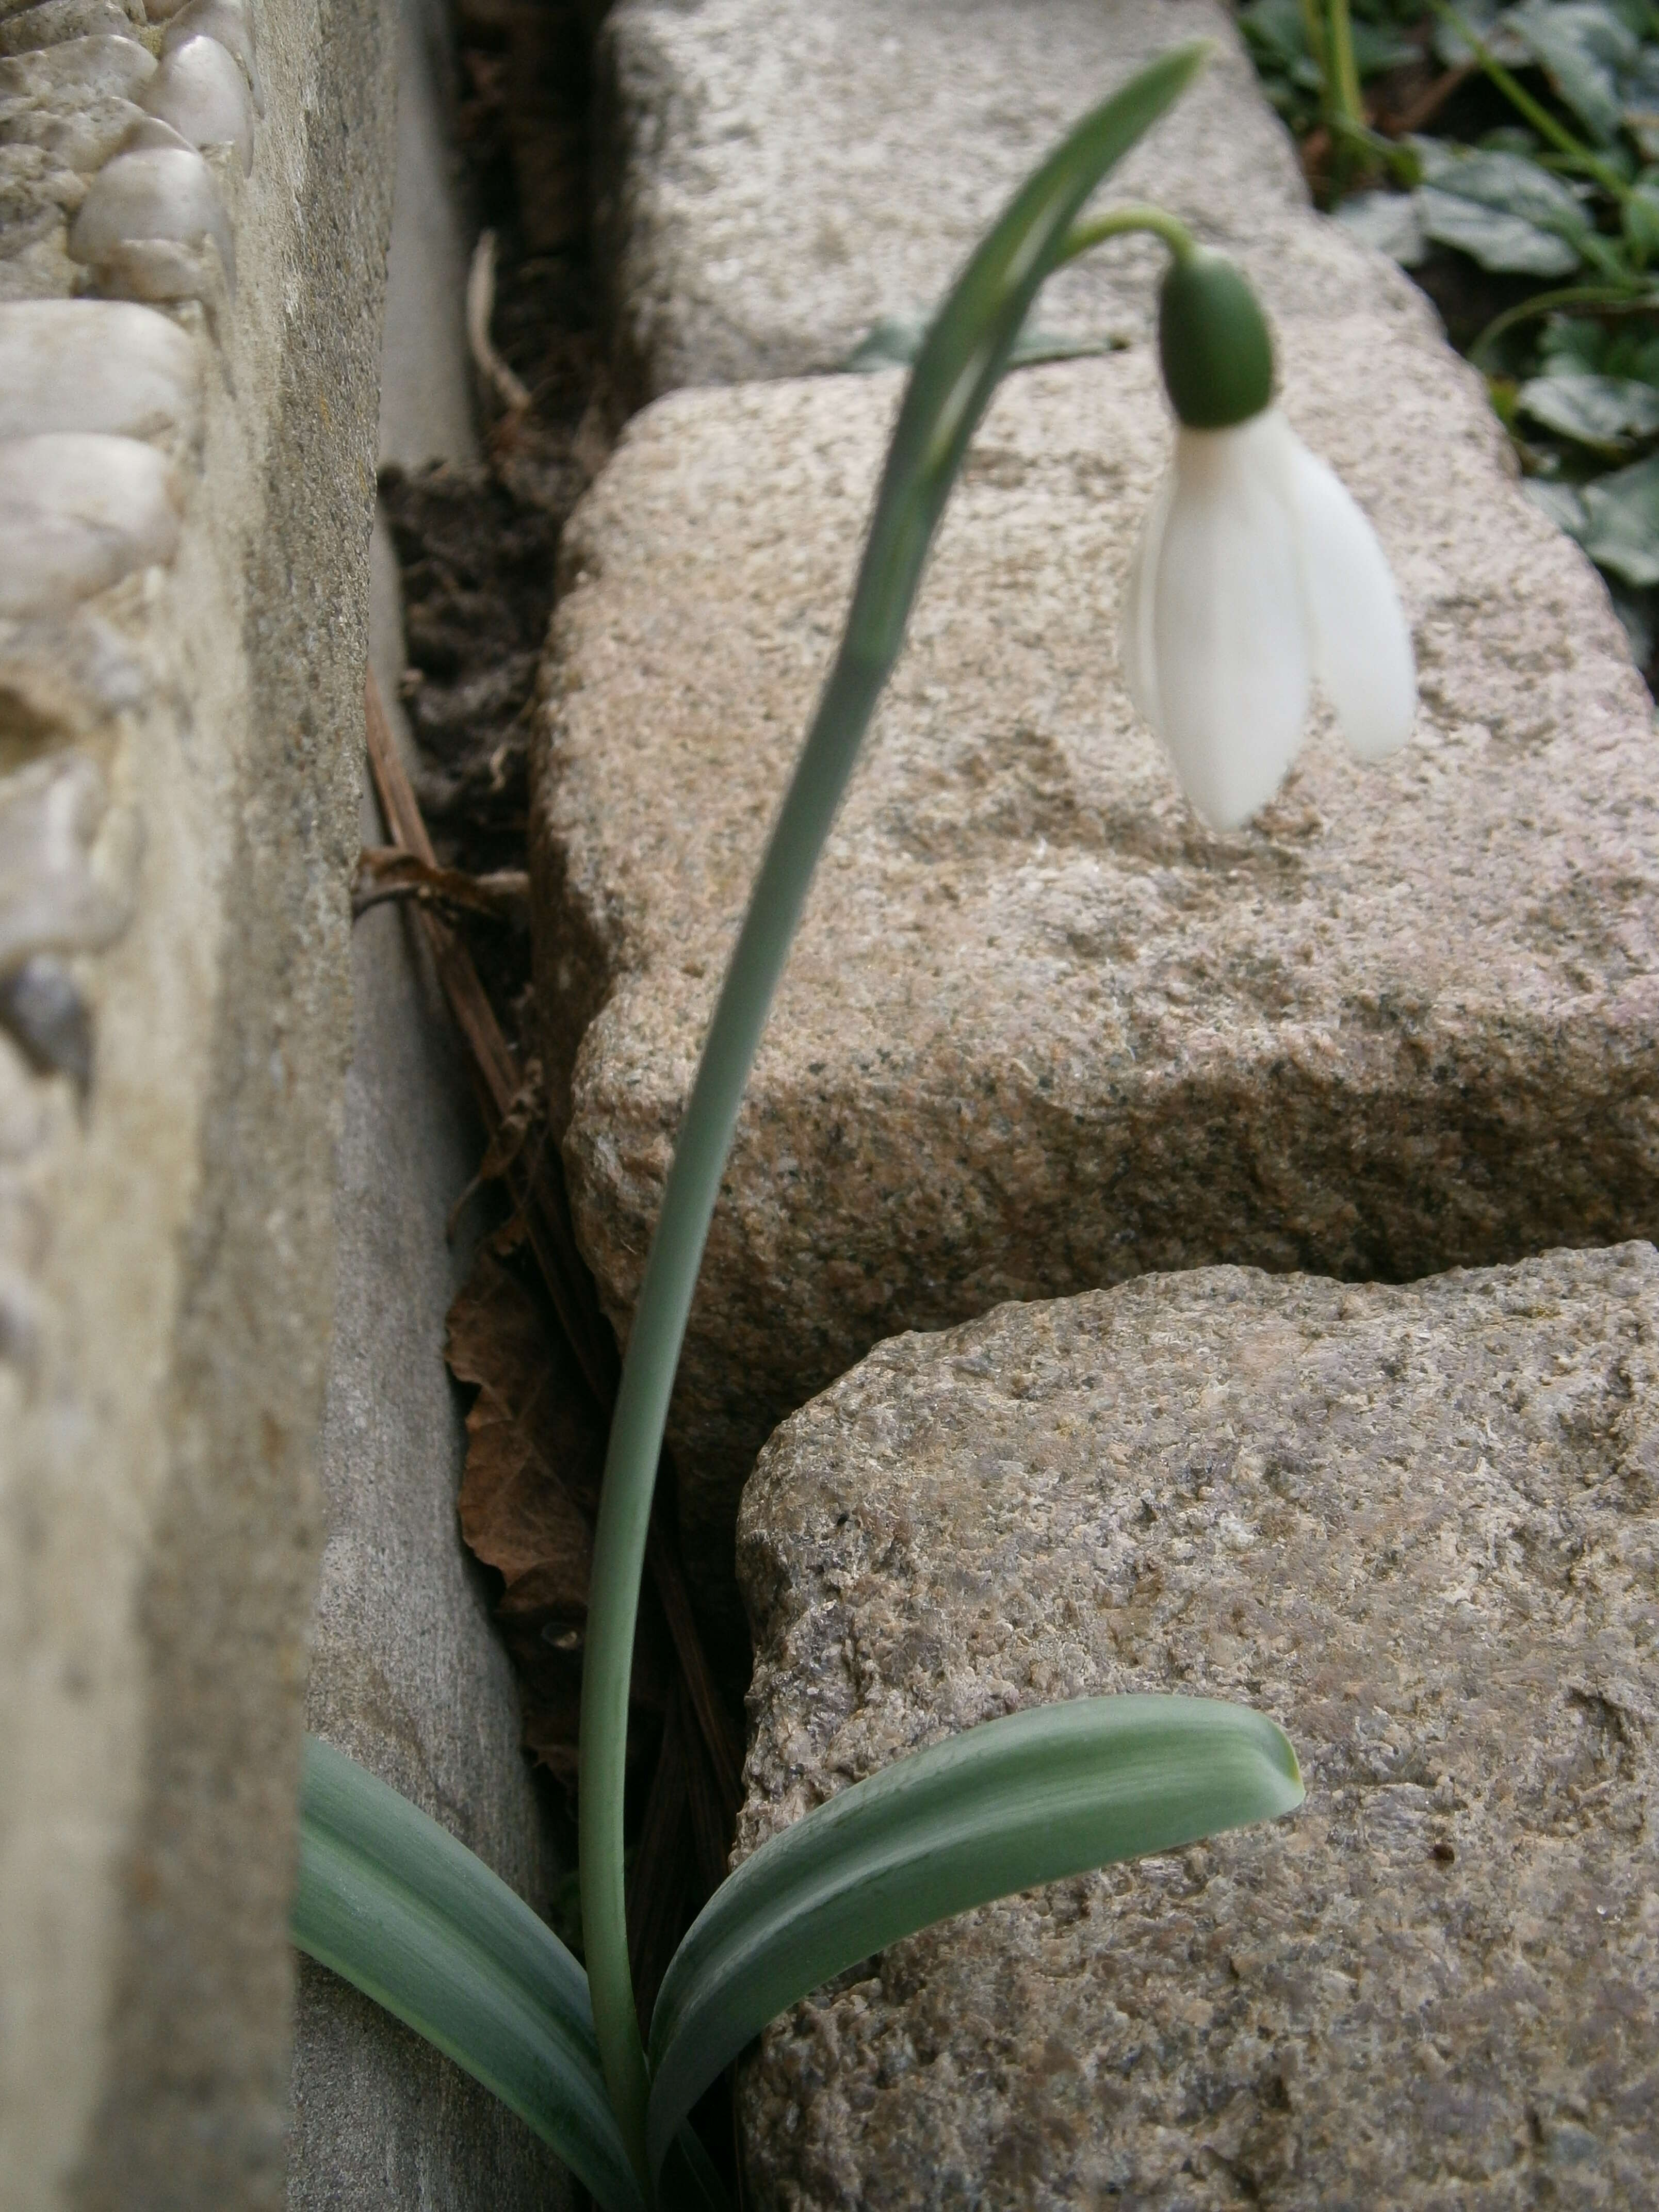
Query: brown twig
(386, 872)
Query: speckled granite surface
(1040, 1031)
(779, 174)
(1419, 1527)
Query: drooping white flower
(1256, 574)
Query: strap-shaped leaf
(395, 1905)
(1017, 1801)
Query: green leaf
(1505, 243)
(896, 341)
(1508, 213)
(1387, 220)
(1573, 345)
(1640, 218)
(1606, 412)
(1484, 20)
(394, 1904)
(1622, 532)
(1561, 502)
(1582, 48)
(1029, 1799)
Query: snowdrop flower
(1256, 574)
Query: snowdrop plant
(397, 1907)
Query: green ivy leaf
(1605, 412)
(1561, 502)
(1484, 20)
(1573, 345)
(1622, 532)
(1387, 220)
(1582, 46)
(1640, 219)
(1499, 241)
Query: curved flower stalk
(389, 1901)
(1256, 574)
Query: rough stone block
(1419, 1527)
(781, 174)
(1040, 1031)
(189, 484)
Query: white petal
(1134, 628)
(1362, 649)
(1230, 640)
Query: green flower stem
(1123, 222)
(958, 368)
(1347, 103)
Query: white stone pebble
(163, 193)
(51, 897)
(202, 91)
(230, 22)
(96, 366)
(79, 511)
(83, 69)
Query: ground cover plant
(1509, 157)
(385, 1896)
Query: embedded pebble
(157, 193)
(39, 269)
(82, 138)
(201, 90)
(84, 69)
(230, 22)
(96, 366)
(22, 1107)
(64, 678)
(54, 22)
(41, 1006)
(36, 190)
(51, 899)
(78, 511)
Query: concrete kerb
(407, 1673)
(180, 697)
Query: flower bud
(1212, 342)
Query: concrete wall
(180, 673)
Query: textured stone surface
(1419, 1527)
(1040, 1031)
(166, 1246)
(407, 1673)
(783, 173)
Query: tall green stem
(956, 372)
(1347, 103)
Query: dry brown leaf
(535, 1453)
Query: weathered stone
(52, 22)
(80, 68)
(1040, 1031)
(784, 174)
(1419, 1527)
(174, 1016)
